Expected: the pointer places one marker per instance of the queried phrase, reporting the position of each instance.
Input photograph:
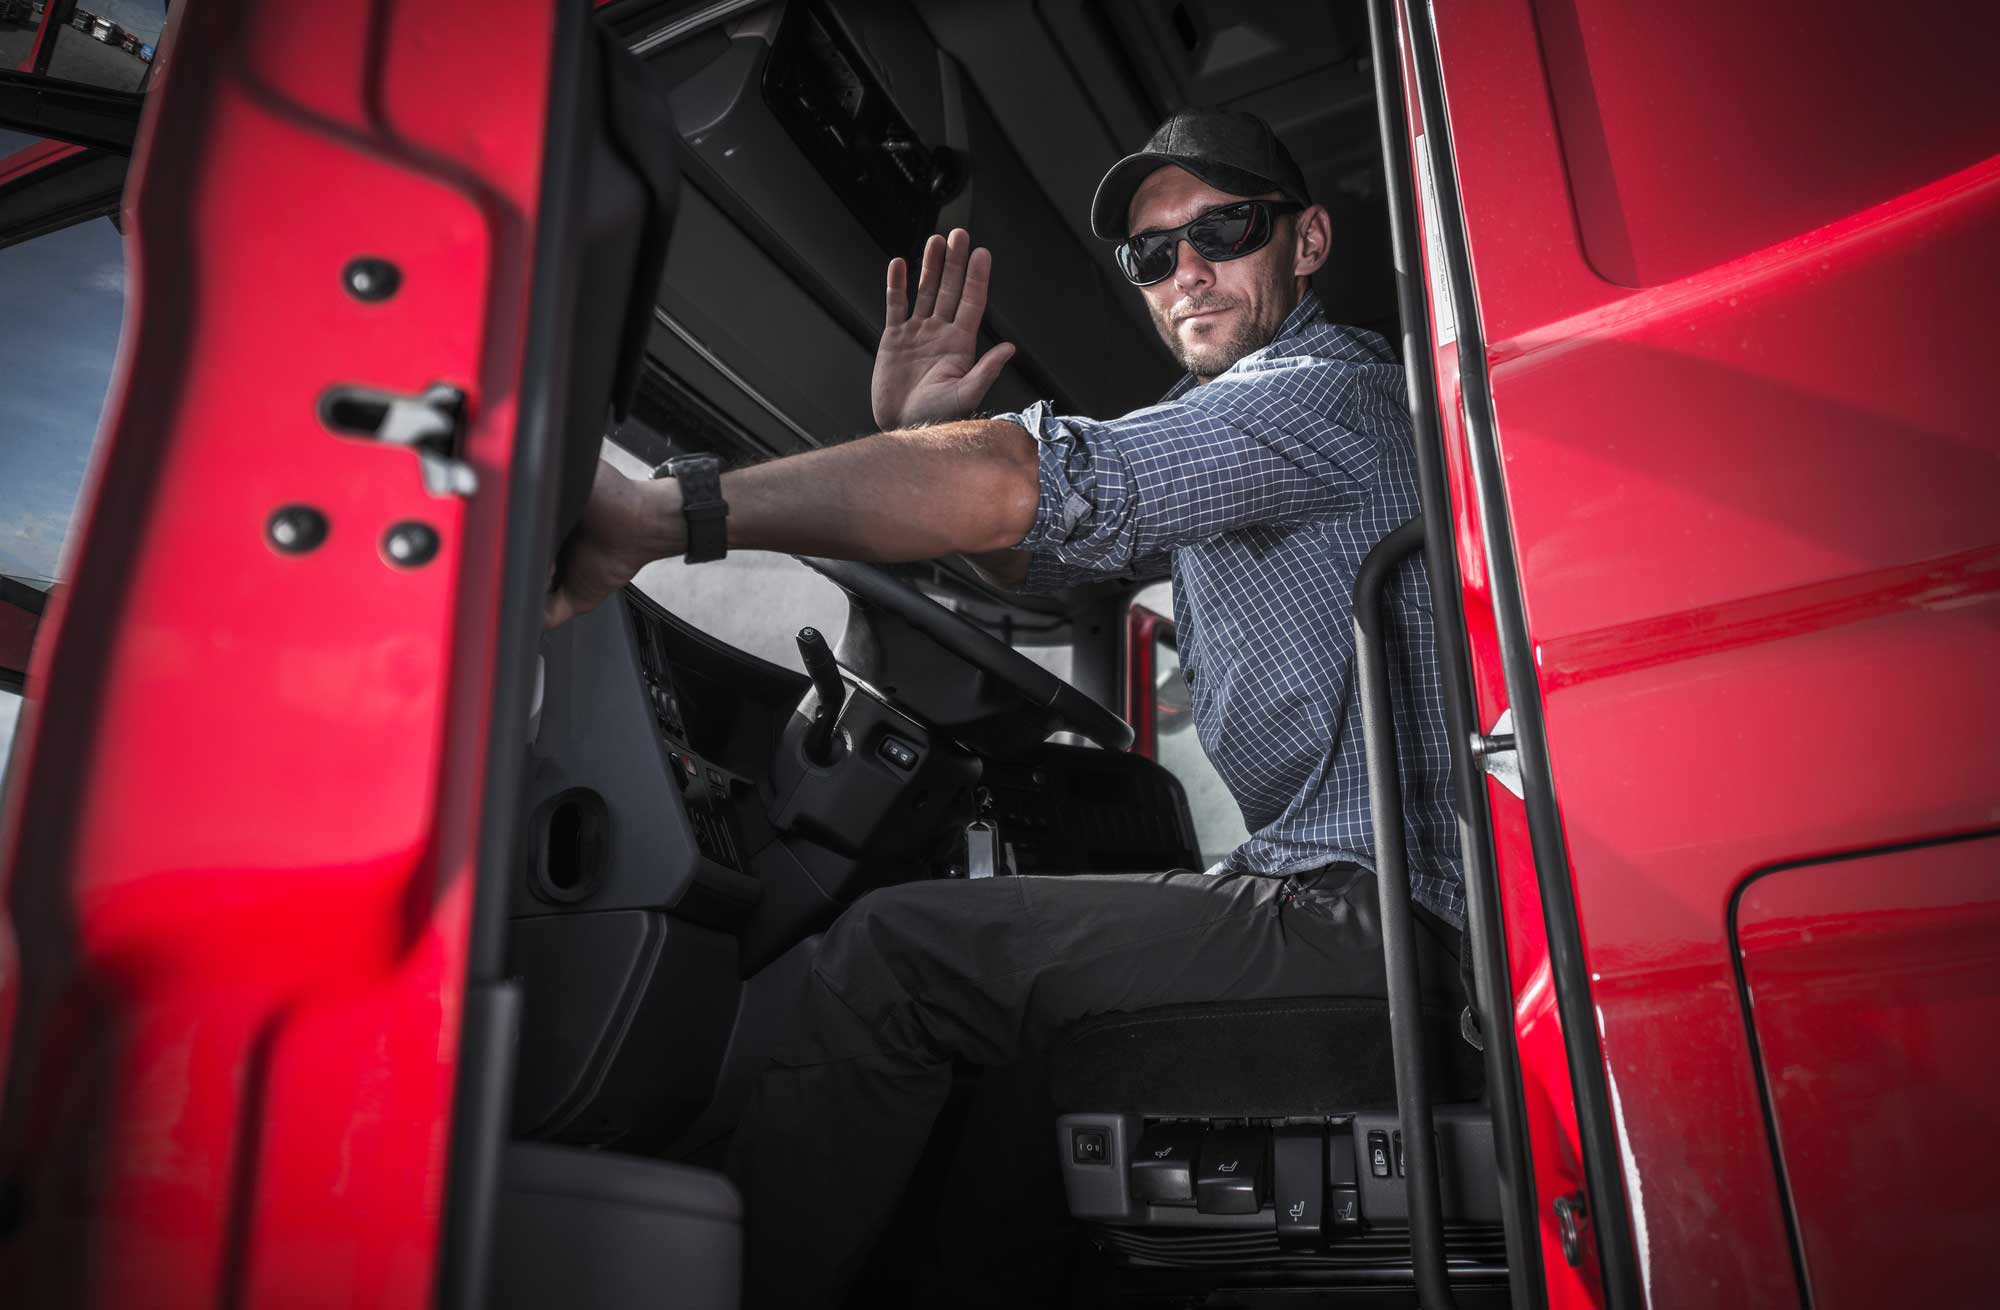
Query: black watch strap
(707, 514)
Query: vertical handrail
(1485, 935)
(1569, 967)
(1399, 942)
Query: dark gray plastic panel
(1098, 1191)
(625, 1017)
(786, 288)
(596, 732)
(1069, 129)
(1468, 1181)
(588, 1230)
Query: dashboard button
(1378, 1153)
(899, 752)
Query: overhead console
(821, 139)
(823, 92)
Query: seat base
(1252, 1059)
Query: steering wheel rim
(877, 586)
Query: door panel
(242, 904)
(1751, 507)
(1874, 985)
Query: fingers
(957, 247)
(899, 294)
(978, 276)
(929, 278)
(980, 377)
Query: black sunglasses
(1227, 232)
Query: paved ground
(77, 58)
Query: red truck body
(1723, 479)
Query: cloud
(108, 278)
(31, 544)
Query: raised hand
(925, 371)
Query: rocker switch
(1298, 1183)
(1230, 1177)
(1163, 1164)
(1378, 1153)
(1343, 1185)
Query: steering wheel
(883, 590)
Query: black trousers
(916, 976)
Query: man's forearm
(955, 487)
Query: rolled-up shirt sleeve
(1119, 494)
(1047, 573)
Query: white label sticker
(1441, 309)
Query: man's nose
(1191, 271)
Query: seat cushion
(1251, 1059)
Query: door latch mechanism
(1495, 752)
(431, 423)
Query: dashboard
(679, 838)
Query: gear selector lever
(832, 694)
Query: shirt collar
(1306, 311)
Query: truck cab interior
(694, 814)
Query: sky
(10, 713)
(61, 297)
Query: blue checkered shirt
(1261, 491)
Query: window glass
(1218, 820)
(64, 295)
(61, 299)
(13, 142)
(18, 21)
(10, 714)
(754, 600)
(109, 43)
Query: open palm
(925, 368)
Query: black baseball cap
(1231, 151)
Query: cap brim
(1113, 202)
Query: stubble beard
(1252, 330)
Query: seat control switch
(1343, 1184)
(1163, 1164)
(1230, 1176)
(1298, 1184)
(1378, 1153)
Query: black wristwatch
(702, 505)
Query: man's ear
(1312, 240)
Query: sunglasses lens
(1148, 258)
(1228, 233)
(1231, 233)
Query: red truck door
(1712, 294)
(260, 1042)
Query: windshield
(63, 297)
